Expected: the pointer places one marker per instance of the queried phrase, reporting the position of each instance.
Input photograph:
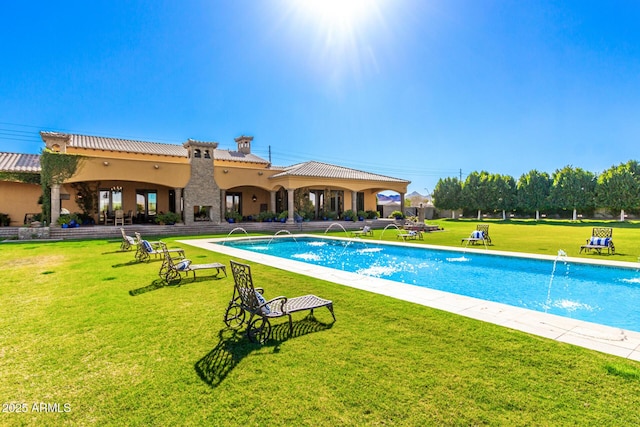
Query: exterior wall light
(105, 163)
(254, 198)
(156, 167)
(226, 171)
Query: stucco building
(197, 180)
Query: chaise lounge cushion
(183, 265)
(147, 246)
(600, 241)
(265, 308)
(477, 234)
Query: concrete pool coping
(606, 339)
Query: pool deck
(606, 339)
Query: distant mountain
(391, 198)
(396, 197)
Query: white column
(354, 199)
(55, 203)
(290, 206)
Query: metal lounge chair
(172, 267)
(146, 248)
(480, 234)
(419, 226)
(364, 231)
(410, 235)
(601, 238)
(249, 299)
(127, 241)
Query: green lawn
(545, 237)
(83, 325)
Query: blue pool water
(599, 294)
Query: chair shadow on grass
(156, 284)
(235, 346)
(161, 283)
(119, 251)
(135, 262)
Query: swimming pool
(594, 293)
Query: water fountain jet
(563, 256)
(385, 229)
(234, 230)
(281, 231)
(339, 225)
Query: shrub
(168, 218)
(372, 215)
(331, 215)
(349, 215)
(234, 215)
(396, 215)
(284, 215)
(68, 219)
(266, 216)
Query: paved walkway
(593, 336)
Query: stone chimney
(201, 192)
(244, 144)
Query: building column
(354, 200)
(402, 203)
(272, 201)
(179, 202)
(55, 203)
(290, 205)
(223, 203)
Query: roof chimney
(244, 144)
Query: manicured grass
(83, 325)
(545, 237)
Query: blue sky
(415, 89)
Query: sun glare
(340, 13)
(341, 34)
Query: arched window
(196, 153)
(206, 154)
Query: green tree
(448, 195)
(478, 192)
(619, 187)
(573, 188)
(505, 194)
(533, 192)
